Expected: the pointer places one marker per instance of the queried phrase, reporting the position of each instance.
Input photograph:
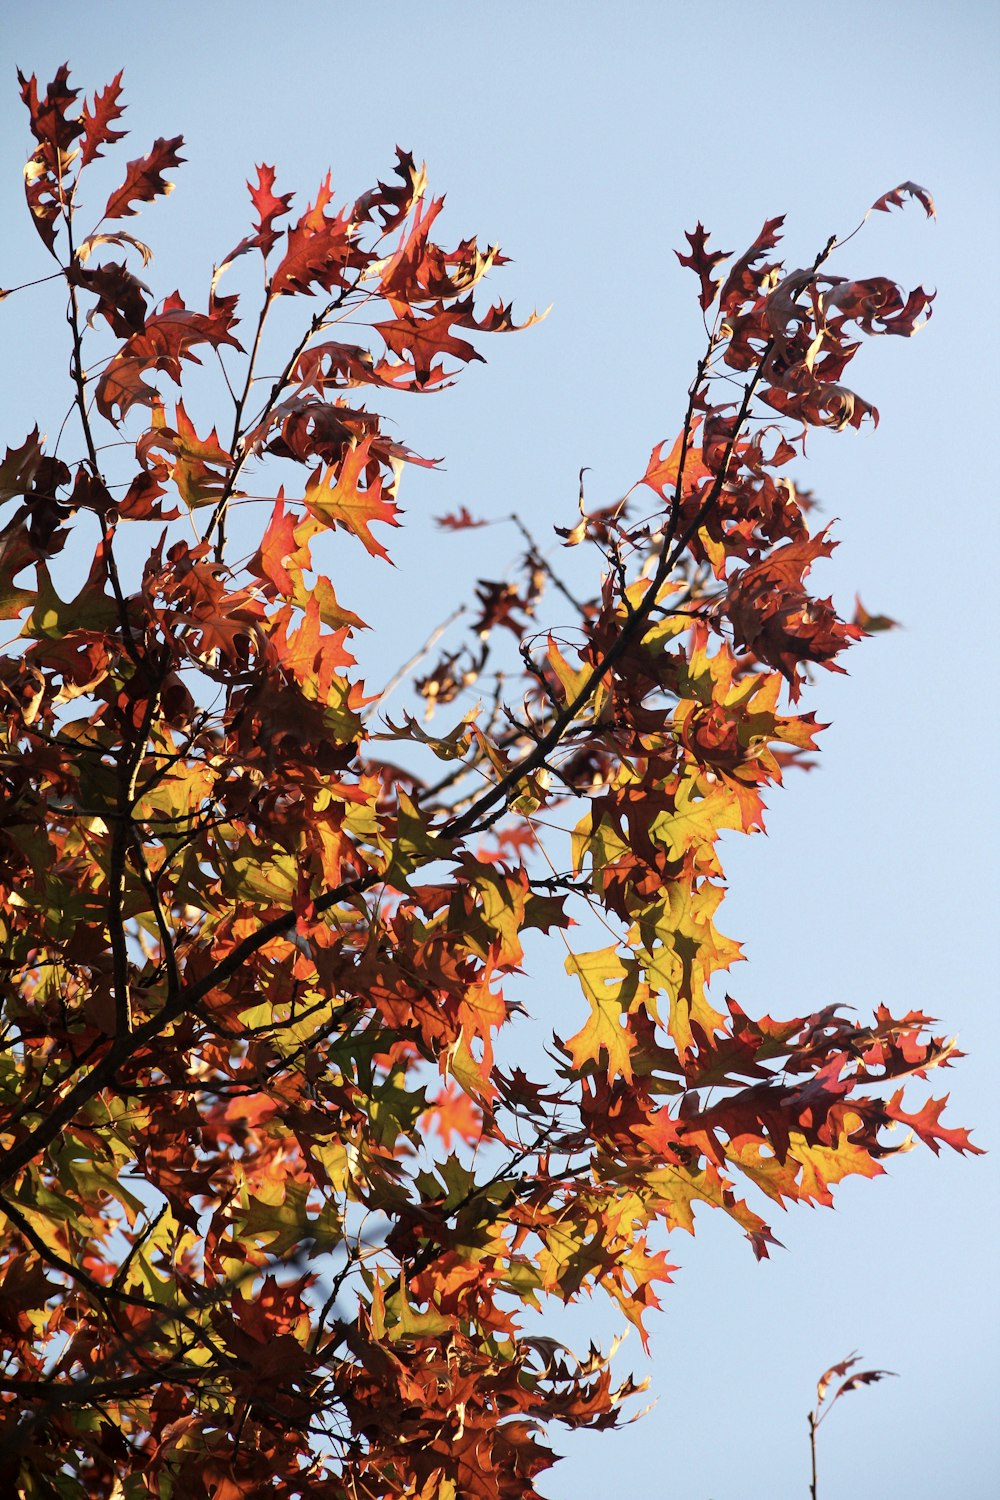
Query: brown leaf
(50, 121)
(702, 262)
(144, 179)
(393, 202)
(870, 624)
(319, 250)
(168, 337)
(121, 297)
(98, 120)
(833, 1373)
(459, 521)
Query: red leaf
(743, 284)
(774, 617)
(144, 180)
(427, 337)
(703, 262)
(319, 251)
(895, 198)
(500, 319)
(16, 554)
(279, 547)
(458, 521)
(98, 120)
(926, 1126)
(499, 602)
(168, 337)
(50, 124)
(55, 132)
(268, 205)
(863, 1377)
(452, 1112)
(393, 203)
(269, 208)
(833, 1373)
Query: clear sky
(586, 137)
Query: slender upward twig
(535, 555)
(129, 764)
(239, 448)
(219, 518)
(415, 660)
(80, 386)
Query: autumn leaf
(167, 338)
(392, 202)
(871, 624)
(898, 195)
(610, 987)
(55, 131)
(20, 466)
(49, 117)
(121, 297)
(269, 207)
(16, 554)
(144, 179)
(335, 498)
(925, 1123)
(664, 471)
(702, 262)
(452, 1112)
(99, 119)
(428, 336)
(747, 275)
(198, 467)
(458, 521)
(318, 249)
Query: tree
(279, 1187)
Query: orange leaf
(334, 497)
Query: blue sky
(586, 138)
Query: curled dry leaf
(898, 195)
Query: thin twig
(240, 405)
(544, 564)
(217, 519)
(105, 1295)
(123, 833)
(415, 660)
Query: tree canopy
(283, 1185)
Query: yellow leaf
(334, 498)
(610, 986)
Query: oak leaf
(611, 988)
(335, 498)
(144, 179)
